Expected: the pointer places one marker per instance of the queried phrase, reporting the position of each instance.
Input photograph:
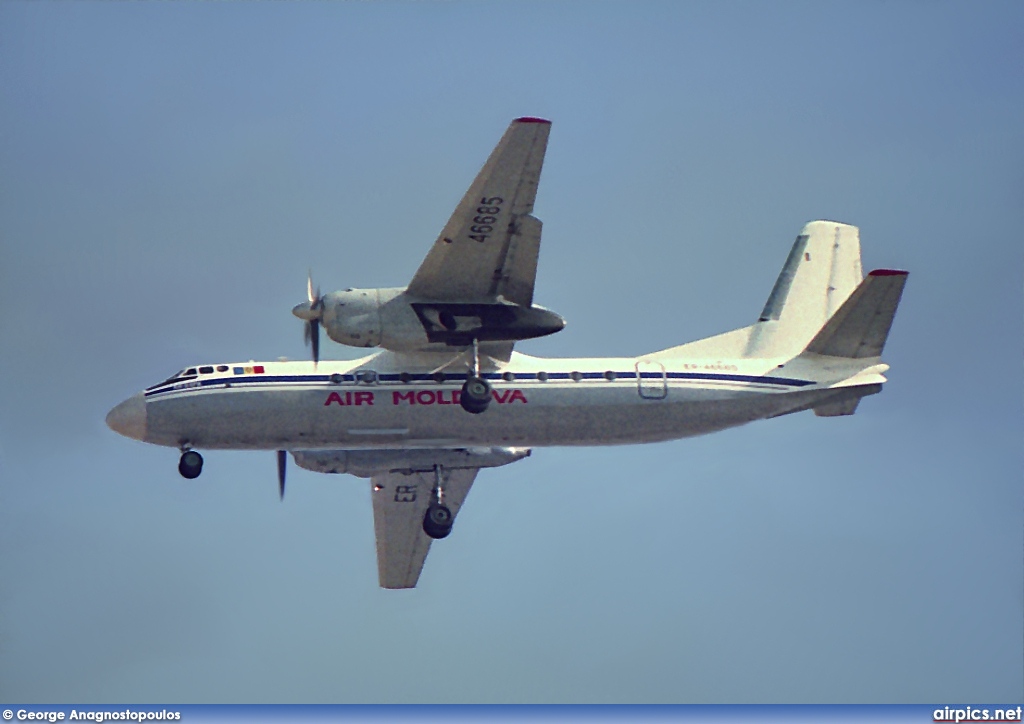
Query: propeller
(282, 462)
(311, 312)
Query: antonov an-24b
(446, 396)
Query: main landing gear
(191, 464)
(476, 395)
(476, 392)
(437, 521)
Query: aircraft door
(651, 380)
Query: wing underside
(490, 244)
(400, 501)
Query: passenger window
(609, 375)
(542, 376)
(509, 377)
(576, 376)
(366, 377)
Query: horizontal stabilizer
(861, 325)
(837, 409)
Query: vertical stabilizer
(822, 270)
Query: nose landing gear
(190, 465)
(437, 521)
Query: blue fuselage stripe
(265, 379)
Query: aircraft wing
(399, 503)
(490, 244)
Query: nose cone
(129, 418)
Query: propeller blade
(310, 313)
(282, 462)
(314, 332)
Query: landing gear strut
(190, 465)
(476, 392)
(437, 521)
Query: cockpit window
(222, 368)
(176, 377)
(206, 370)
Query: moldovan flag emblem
(254, 370)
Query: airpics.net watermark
(949, 714)
(91, 715)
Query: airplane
(446, 396)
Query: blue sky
(169, 172)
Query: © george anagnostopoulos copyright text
(92, 715)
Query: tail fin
(860, 327)
(821, 272)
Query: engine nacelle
(391, 319)
(366, 463)
(353, 317)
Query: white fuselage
(371, 403)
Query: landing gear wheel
(476, 395)
(190, 465)
(437, 523)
